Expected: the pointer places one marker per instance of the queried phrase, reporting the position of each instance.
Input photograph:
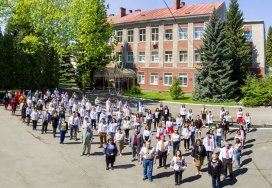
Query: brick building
(160, 47)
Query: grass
(70, 84)
(167, 97)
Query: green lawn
(70, 84)
(167, 97)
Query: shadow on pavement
(164, 174)
(245, 162)
(71, 143)
(236, 173)
(247, 152)
(250, 141)
(190, 179)
(248, 146)
(97, 153)
(124, 166)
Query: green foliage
(269, 48)
(236, 41)
(214, 82)
(67, 71)
(135, 90)
(175, 90)
(257, 91)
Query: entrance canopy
(115, 73)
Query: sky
(252, 9)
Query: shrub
(176, 90)
(136, 90)
(159, 91)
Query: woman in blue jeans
(215, 169)
(175, 141)
(218, 134)
(192, 129)
(238, 151)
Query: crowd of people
(112, 118)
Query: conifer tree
(67, 71)
(269, 48)
(214, 82)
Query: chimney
(182, 4)
(138, 10)
(111, 15)
(122, 12)
(130, 11)
(177, 4)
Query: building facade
(162, 44)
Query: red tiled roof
(187, 10)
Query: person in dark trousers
(215, 169)
(6, 101)
(198, 124)
(46, 118)
(227, 157)
(110, 152)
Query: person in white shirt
(109, 112)
(186, 133)
(204, 113)
(210, 119)
(192, 128)
(35, 117)
(93, 115)
(34, 100)
(169, 127)
(149, 118)
(178, 165)
(138, 122)
(86, 137)
(183, 112)
(227, 157)
(179, 123)
(103, 115)
(88, 106)
(175, 141)
(75, 106)
(82, 112)
(228, 119)
(218, 134)
(119, 116)
(248, 121)
(141, 109)
(28, 114)
(119, 140)
(71, 103)
(75, 95)
(29, 102)
(222, 113)
(162, 150)
(208, 142)
(83, 101)
(190, 116)
(113, 126)
(119, 105)
(127, 111)
(125, 106)
(160, 131)
(127, 126)
(165, 114)
(147, 134)
(73, 124)
(51, 108)
(97, 101)
(102, 132)
(98, 111)
(108, 103)
(88, 116)
(240, 115)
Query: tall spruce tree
(214, 82)
(67, 71)
(269, 48)
(237, 43)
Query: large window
(198, 32)
(168, 79)
(155, 34)
(142, 35)
(141, 77)
(120, 56)
(154, 78)
(183, 56)
(182, 33)
(168, 34)
(183, 79)
(154, 57)
(130, 57)
(197, 56)
(168, 56)
(120, 36)
(141, 56)
(248, 35)
(130, 36)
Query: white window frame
(182, 78)
(110, 40)
(168, 76)
(120, 56)
(248, 35)
(168, 34)
(141, 75)
(142, 35)
(197, 53)
(155, 75)
(130, 57)
(141, 57)
(168, 56)
(182, 34)
(199, 33)
(155, 57)
(119, 36)
(155, 34)
(183, 56)
(130, 36)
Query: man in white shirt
(103, 116)
(162, 150)
(109, 112)
(227, 157)
(86, 136)
(73, 124)
(71, 103)
(102, 132)
(93, 118)
(98, 111)
(148, 158)
(107, 103)
(119, 104)
(208, 142)
(210, 119)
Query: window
(248, 35)
(130, 57)
(155, 34)
(168, 34)
(182, 56)
(154, 57)
(130, 36)
(110, 40)
(198, 32)
(195, 78)
(141, 77)
(154, 78)
(141, 56)
(120, 56)
(182, 33)
(120, 36)
(168, 79)
(197, 56)
(142, 35)
(168, 56)
(183, 79)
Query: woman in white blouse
(186, 133)
(147, 134)
(222, 113)
(75, 106)
(113, 126)
(34, 117)
(240, 115)
(183, 112)
(178, 165)
(97, 101)
(119, 116)
(248, 121)
(119, 140)
(175, 141)
(179, 123)
(126, 125)
(160, 131)
(149, 118)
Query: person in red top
(13, 105)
